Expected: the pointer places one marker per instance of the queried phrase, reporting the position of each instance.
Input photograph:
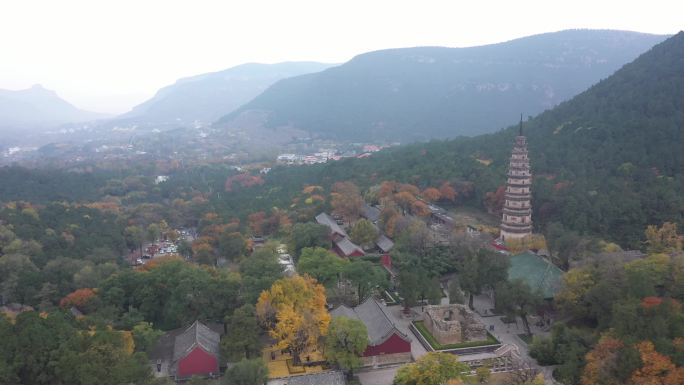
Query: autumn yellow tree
(293, 311)
(664, 239)
(572, 297)
(530, 242)
(432, 369)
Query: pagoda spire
(520, 133)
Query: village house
(326, 220)
(342, 245)
(372, 213)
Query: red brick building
(386, 344)
(184, 353)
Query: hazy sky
(107, 56)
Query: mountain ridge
(423, 93)
(38, 107)
(207, 96)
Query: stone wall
(453, 324)
(387, 359)
(473, 330)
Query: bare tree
(523, 373)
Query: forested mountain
(37, 107)
(435, 92)
(608, 162)
(207, 97)
(612, 155)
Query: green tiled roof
(537, 272)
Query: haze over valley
(382, 97)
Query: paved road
(383, 376)
(507, 333)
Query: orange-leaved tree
(657, 368)
(80, 298)
(256, 222)
(404, 199)
(293, 311)
(420, 208)
(602, 362)
(346, 200)
(431, 194)
(447, 192)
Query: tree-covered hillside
(435, 92)
(209, 96)
(608, 162)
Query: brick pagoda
(517, 211)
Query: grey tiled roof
(385, 244)
(327, 220)
(196, 334)
(347, 247)
(344, 311)
(325, 378)
(370, 212)
(377, 323)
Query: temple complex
(517, 211)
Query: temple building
(517, 211)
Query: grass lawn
(437, 346)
